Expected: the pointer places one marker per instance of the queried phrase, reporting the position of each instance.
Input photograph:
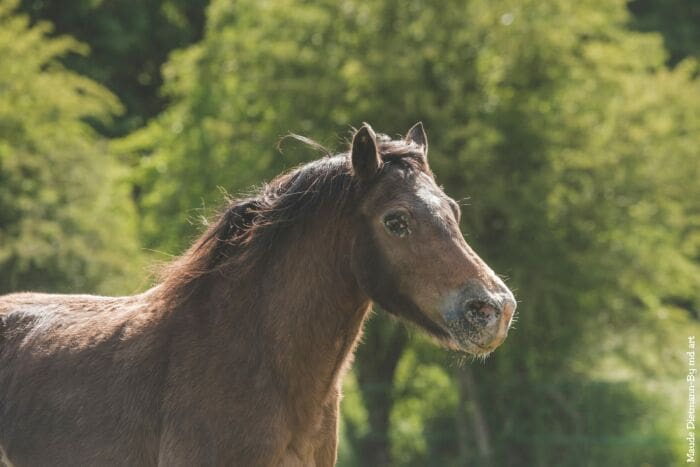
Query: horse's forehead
(413, 190)
(420, 191)
(428, 192)
(413, 187)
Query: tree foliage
(66, 221)
(573, 141)
(129, 41)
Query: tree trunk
(377, 358)
(470, 413)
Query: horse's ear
(417, 136)
(365, 157)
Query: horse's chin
(466, 344)
(474, 343)
(476, 349)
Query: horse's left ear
(417, 136)
(365, 157)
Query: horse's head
(409, 254)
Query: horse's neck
(306, 310)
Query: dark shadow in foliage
(129, 42)
(676, 20)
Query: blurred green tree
(129, 41)
(578, 148)
(66, 221)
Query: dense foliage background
(572, 128)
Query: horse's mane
(247, 227)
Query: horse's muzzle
(480, 319)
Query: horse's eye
(396, 223)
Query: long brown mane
(247, 229)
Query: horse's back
(79, 379)
(32, 319)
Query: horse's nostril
(474, 305)
(481, 310)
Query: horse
(236, 356)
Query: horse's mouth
(483, 349)
(477, 340)
(474, 347)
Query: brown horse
(237, 356)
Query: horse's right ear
(365, 157)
